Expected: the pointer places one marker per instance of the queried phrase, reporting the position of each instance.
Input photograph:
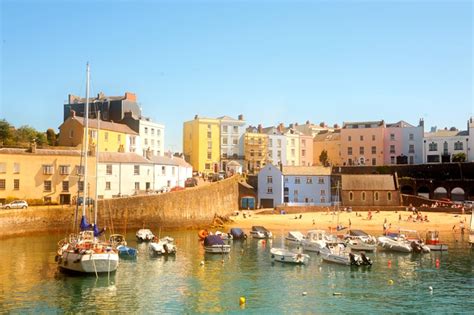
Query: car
(89, 201)
(468, 204)
(164, 189)
(16, 204)
(191, 182)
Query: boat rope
(95, 268)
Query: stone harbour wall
(190, 208)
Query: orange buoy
(437, 263)
(202, 234)
(389, 264)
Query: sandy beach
(443, 222)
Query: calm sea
(31, 283)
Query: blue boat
(214, 244)
(238, 234)
(118, 242)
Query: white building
(276, 145)
(232, 140)
(151, 138)
(439, 146)
(470, 126)
(294, 185)
(170, 171)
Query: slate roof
(368, 182)
(122, 157)
(306, 170)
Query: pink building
(362, 143)
(306, 150)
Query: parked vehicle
(16, 204)
(89, 201)
(164, 189)
(177, 188)
(191, 182)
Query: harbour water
(31, 283)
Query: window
(411, 137)
(106, 136)
(152, 131)
(323, 200)
(373, 137)
(16, 168)
(351, 196)
(146, 130)
(433, 146)
(349, 151)
(392, 160)
(173, 171)
(108, 169)
(47, 185)
(374, 161)
(269, 180)
(79, 170)
(309, 180)
(136, 169)
(376, 196)
(209, 134)
(3, 167)
(65, 185)
(224, 141)
(361, 138)
(278, 143)
(361, 150)
(374, 150)
(270, 142)
(137, 185)
(392, 148)
(297, 180)
(269, 190)
(458, 145)
(292, 152)
(349, 138)
(412, 159)
(209, 155)
(208, 127)
(236, 129)
(71, 133)
(292, 142)
(163, 170)
(303, 143)
(392, 137)
(47, 169)
(363, 196)
(389, 196)
(2, 184)
(158, 132)
(209, 145)
(64, 169)
(119, 138)
(225, 128)
(270, 154)
(303, 153)
(224, 155)
(323, 192)
(252, 153)
(411, 148)
(235, 141)
(16, 184)
(80, 185)
(207, 166)
(107, 185)
(321, 180)
(146, 141)
(279, 154)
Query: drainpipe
(120, 179)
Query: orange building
(331, 142)
(362, 143)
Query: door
(64, 199)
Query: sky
(272, 61)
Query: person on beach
(350, 223)
(399, 217)
(385, 227)
(314, 222)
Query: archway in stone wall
(440, 193)
(423, 191)
(407, 190)
(457, 194)
(470, 193)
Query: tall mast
(86, 142)
(96, 167)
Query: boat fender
(273, 256)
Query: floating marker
(437, 263)
(337, 293)
(202, 263)
(242, 300)
(431, 288)
(389, 263)
(305, 293)
(390, 282)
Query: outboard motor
(366, 260)
(416, 247)
(354, 261)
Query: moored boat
(315, 241)
(215, 245)
(237, 234)
(260, 232)
(288, 256)
(294, 237)
(341, 255)
(394, 243)
(144, 235)
(433, 243)
(163, 246)
(118, 242)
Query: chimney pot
(241, 117)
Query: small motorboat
(215, 245)
(224, 236)
(118, 242)
(415, 240)
(432, 241)
(295, 238)
(163, 246)
(288, 256)
(358, 240)
(315, 241)
(341, 255)
(238, 234)
(144, 235)
(260, 232)
(394, 243)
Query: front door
(64, 199)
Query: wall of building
(393, 139)
(306, 150)
(313, 192)
(152, 137)
(123, 179)
(277, 146)
(190, 208)
(276, 184)
(358, 198)
(332, 147)
(417, 142)
(292, 149)
(367, 143)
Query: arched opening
(407, 190)
(376, 196)
(389, 196)
(457, 194)
(363, 196)
(351, 196)
(423, 192)
(440, 193)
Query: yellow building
(331, 142)
(113, 137)
(256, 150)
(201, 144)
(43, 175)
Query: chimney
(422, 123)
(71, 98)
(296, 124)
(196, 116)
(241, 117)
(72, 113)
(260, 129)
(130, 96)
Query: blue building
(294, 186)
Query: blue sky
(273, 61)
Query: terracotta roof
(119, 157)
(306, 170)
(104, 125)
(40, 152)
(368, 182)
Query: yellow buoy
(390, 282)
(242, 300)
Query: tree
(323, 157)
(5, 132)
(459, 157)
(25, 134)
(51, 136)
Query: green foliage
(323, 158)
(383, 169)
(51, 136)
(21, 137)
(5, 132)
(459, 157)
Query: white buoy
(202, 262)
(305, 293)
(431, 288)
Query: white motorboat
(433, 243)
(288, 256)
(315, 241)
(415, 240)
(260, 232)
(163, 246)
(295, 237)
(341, 255)
(144, 235)
(224, 236)
(359, 245)
(394, 243)
(215, 245)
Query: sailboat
(84, 252)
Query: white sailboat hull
(89, 262)
(286, 256)
(217, 249)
